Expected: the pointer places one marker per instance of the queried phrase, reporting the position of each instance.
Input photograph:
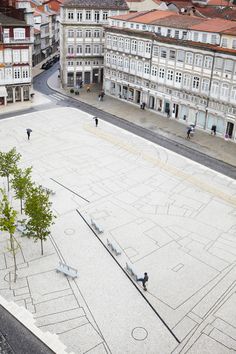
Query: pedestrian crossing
(57, 97)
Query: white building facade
(82, 39)
(189, 81)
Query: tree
(8, 163)
(8, 223)
(21, 183)
(40, 216)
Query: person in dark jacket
(144, 280)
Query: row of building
(180, 66)
(29, 33)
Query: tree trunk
(41, 247)
(14, 255)
(8, 184)
(21, 206)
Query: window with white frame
(70, 63)
(154, 70)
(146, 68)
(224, 43)
(178, 77)
(25, 72)
(134, 45)
(224, 92)
(70, 34)
(161, 73)
(180, 56)
(19, 33)
(205, 85)
(17, 73)
(120, 62)
(88, 49)
(24, 55)
(113, 59)
(163, 53)
(195, 36)
(70, 49)
(96, 49)
(176, 34)
(105, 15)
(121, 43)
(140, 47)
(96, 33)
(204, 37)
(127, 44)
(126, 63)
(215, 88)
(70, 15)
(108, 58)
(233, 93)
(132, 25)
(16, 55)
(189, 58)
(79, 33)
(79, 49)
(234, 44)
(218, 63)
(132, 65)
(102, 49)
(170, 74)
(88, 33)
(208, 62)
(198, 60)
(213, 39)
(88, 15)
(187, 80)
(196, 82)
(172, 54)
(114, 41)
(108, 39)
(155, 51)
(228, 66)
(140, 67)
(97, 16)
(8, 73)
(148, 48)
(79, 16)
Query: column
(22, 94)
(14, 94)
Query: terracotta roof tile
(214, 25)
(179, 21)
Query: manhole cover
(139, 333)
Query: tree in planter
(8, 224)
(8, 163)
(21, 183)
(40, 216)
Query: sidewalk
(213, 146)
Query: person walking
(88, 89)
(144, 280)
(96, 121)
(189, 132)
(28, 131)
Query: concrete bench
(96, 227)
(67, 270)
(20, 228)
(132, 271)
(113, 247)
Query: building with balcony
(82, 38)
(178, 66)
(15, 60)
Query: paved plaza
(171, 217)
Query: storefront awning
(3, 91)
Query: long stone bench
(67, 270)
(130, 269)
(96, 227)
(114, 247)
